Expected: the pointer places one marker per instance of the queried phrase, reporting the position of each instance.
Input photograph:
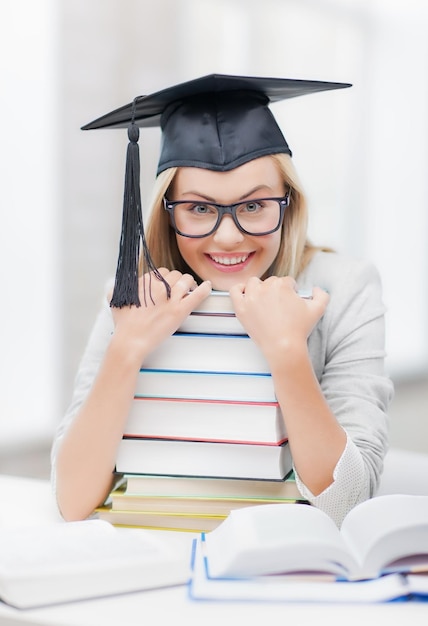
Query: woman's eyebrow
(213, 200)
(257, 188)
(199, 194)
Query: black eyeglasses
(261, 216)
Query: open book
(288, 588)
(68, 561)
(383, 535)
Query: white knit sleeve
(349, 487)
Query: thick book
(203, 505)
(208, 353)
(205, 386)
(220, 302)
(303, 589)
(199, 420)
(63, 562)
(212, 323)
(387, 534)
(159, 520)
(201, 458)
(196, 486)
(216, 315)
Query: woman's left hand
(274, 315)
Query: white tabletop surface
(25, 501)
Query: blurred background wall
(362, 156)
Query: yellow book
(159, 520)
(207, 505)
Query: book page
(276, 538)
(56, 547)
(385, 529)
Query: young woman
(241, 227)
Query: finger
(237, 290)
(320, 298)
(201, 291)
(183, 284)
(174, 276)
(147, 277)
(237, 295)
(154, 288)
(195, 296)
(164, 271)
(271, 279)
(151, 280)
(251, 287)
(289, 282)
(321, 295)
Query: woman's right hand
(141, 329)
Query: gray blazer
(347, 350)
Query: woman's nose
(227, 232)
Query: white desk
(25, 501)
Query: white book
(212, 323)
(201, 458)
(208, 353)
(216, 315)
(216, 420)
(216, 302)
(199, 487)
(205, 385)
(221, 302)
(68, 561)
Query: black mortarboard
(216, 122)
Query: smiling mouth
(229, 260)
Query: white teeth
(234, 260)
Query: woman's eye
(201, 209)
(251, 207)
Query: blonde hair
(295, 250)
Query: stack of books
(205, 434)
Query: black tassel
(125, 291)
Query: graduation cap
(216, 122)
